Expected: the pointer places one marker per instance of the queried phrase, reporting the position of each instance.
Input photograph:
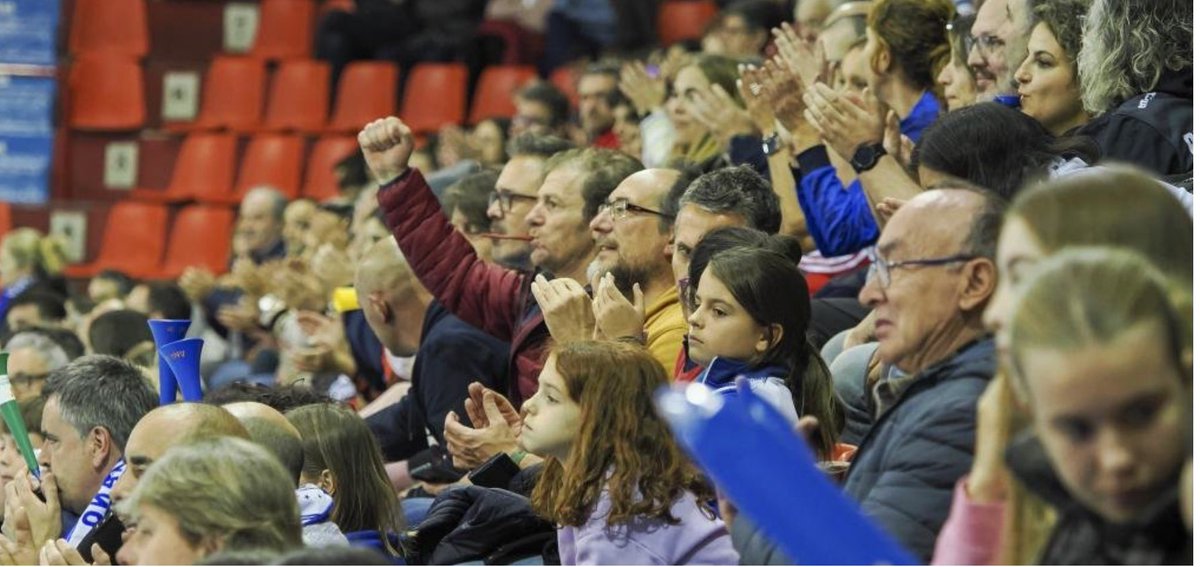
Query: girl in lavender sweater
(619, 488)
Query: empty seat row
(118, 27)
(107, 94)
(139, 240)
(207, 169)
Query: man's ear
(976, 284)
(99, 444)
(377, 303)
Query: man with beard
(633, 239)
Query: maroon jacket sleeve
(484, 295)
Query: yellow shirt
(665, 329)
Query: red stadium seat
(493, 94)
(5, 218)
(106, 94)
(436, 95)
(320, 183)
(201, 235)
(233, 94)
(565, 79)
(285, 29)
(116, 27)
(299, 98)
(203, 171)
(684, 19)
(135, 235)
(366, 91)
(274, 160)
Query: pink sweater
(972, 533)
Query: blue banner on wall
(28, 29)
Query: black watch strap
(866, 156)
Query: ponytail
(811, 384)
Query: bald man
(272, 430)
(167, 426)
(450, 354)
(269, 428)
(159, 430)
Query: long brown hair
(914, 31)
(623, 446)
(336, 439)
(772, 290)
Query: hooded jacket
(1152, 130)
(1081, 537)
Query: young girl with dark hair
(342, 457)
(750, 318)
(614, 481)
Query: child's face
(720, 327)
(551, 418)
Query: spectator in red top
(596, 88)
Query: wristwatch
(771, 144)
(866, 156)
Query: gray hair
(1127, 45)
(740, 191)
(52, 354)
(101, 391)
(279, 201)
(537, 145)
(985, 227)
(227, 489)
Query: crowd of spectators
(949, 242)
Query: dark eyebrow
(140, 460)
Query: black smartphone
(495, 473)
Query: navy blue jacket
(839, 217)
(452, 354)
(905, 470)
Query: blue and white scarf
(99, 506)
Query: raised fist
(386, 144)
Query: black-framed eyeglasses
(27, 379)
(621, 208)
(986, 43)
(882, 268)
(506, 198)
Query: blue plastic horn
(167, 331)
(184, 360)
(749, 449)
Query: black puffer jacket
(471, 523)
(1151, 130)
(1083, 538)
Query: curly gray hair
(1128, 44)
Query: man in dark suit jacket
(450, 355)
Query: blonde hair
(1110, 206)
(226, 490)
(1090, 296)
(29, 248)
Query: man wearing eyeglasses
(998, 42)
(932, 274)
(31, 357)
(515, 194)
(636, 295)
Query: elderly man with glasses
(932, 274)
